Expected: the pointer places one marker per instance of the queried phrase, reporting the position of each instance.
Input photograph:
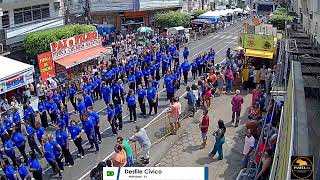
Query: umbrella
(144, 29)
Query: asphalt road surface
(219, 41)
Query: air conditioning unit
(1, 48)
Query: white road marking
(223, 36)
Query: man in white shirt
(248, 147)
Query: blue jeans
(228, 85)
(218, 148)
(130, 161)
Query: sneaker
(90, 148)
(61, 170)
(99, 141)
(81, 157)
(70, 165)
(135, 121)
(146, 162)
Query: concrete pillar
(11, 17)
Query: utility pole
(66, 6)
(87, 10)
(202, 4)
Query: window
(5, 20)
(32, 13)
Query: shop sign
(16, 82)
(46, 65)
(257, 41)
(74, 44)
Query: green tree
(279, 18)
(172, 19)
(197, 13)
(39, 42)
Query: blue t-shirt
(185, 66)
(30, 131)
(95, 117)
(118, 109)
(88, 127)
(54, 108)
(131, 100)
(18, 139)
(16, 117)
(155, 84)
(170, 87)
(40, 132)
(81, 107)
(167, 79)
(186, 53)
(88, 101)
(8, 124)
(9, 148)
(106, 92)
(66, 118)
(74, 131)
(131, 79)
(9, 171)
(23, 172)
(34, 164)
(55, 149)
(110, 112)
(2, 130)
(115, 88)
(72, 92)
(41, 107)
(138, 74)
(151, 93)
(56, 98)
(61, 122)
(146, 72)
(48, 152)
(141, 93)
(61, 137)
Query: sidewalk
(183, 150)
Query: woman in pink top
(256, 94)
(174, 115)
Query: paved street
(220, 41)
(184, 149)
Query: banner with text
(257, 42)
(155, 173)
(46, 65)
(74, 44)
(16, 81)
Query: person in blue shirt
(185, 70)
(167, 78)
(172, 49)
(75, 133)
(131, 80)
(72, 92)
(57, 151)
(50, 156)
(106, 93)
(176, 57)
(9, 170)
(2, 132)
(56, 99)
(9, 149)
(170, 87)
(186, 53)
(65, 117)
(194, 70)
(112, 119)
(39, 131)
(131, 102)
(138, 75)
(155, 84)
(142, 94)
(165, 64)
(146, 74)
(43, 114)
(23, 171)
(16, 119)
(198, 61)
(122, 90)
(152, 98)
(34, 166)
(116, 92)
(62, 140)
(20, 142)
(8, 124)
(152, 71)
(96, 121)
(81, 108)
(53, 112)
(157, 67)
(88, 127)
(88, 101)
(31, 141)
(118, 114)
(63, 96)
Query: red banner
(46, 65)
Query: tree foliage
(172, 19)
(39, 42)
(197, 13)
(279, 18)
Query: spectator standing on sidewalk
(174, 116)
(236, 102)
(249, 143)
(191, 101)
(120, 157)
(126, 146)
(144, 141)
(219, 134)
(204, 126)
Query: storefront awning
(259, 54)
(81, 57)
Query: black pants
(53, 118)
(133, 112)
(59, 161)
(132, 85)
(22, 150)
(194, 74)
(153, 104)
(33, 145)
(18, 127)
(119, 117)
(93, 141)
(142, 106)
(164, 71)
(157, 74)
(116, 99)
(97, 130)
(78, 143)
(138, 82)
(72, 100)
(14, 160)
(67, 155)
(44, 119)
(55, 167)
(185, 77)
(63, 100)
(200, 70)
(170, 96)
(112, 121)
(146, 80)
(37, 175)
(32, 120)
